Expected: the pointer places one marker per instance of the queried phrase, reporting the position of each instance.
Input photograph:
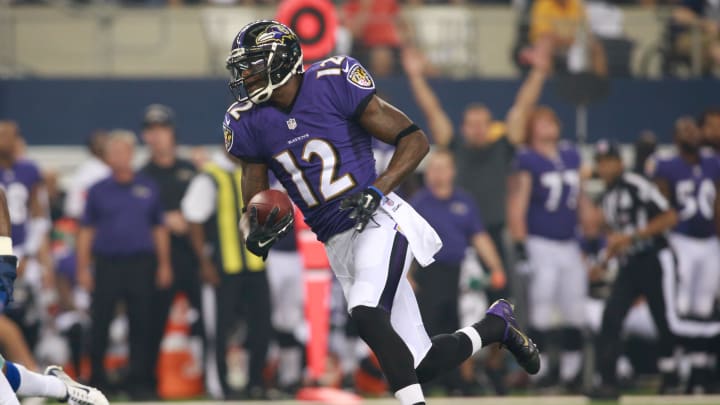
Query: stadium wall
(65, 111)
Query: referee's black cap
(606, 149)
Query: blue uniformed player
(313, 129)
(16, 380)
(689, 180)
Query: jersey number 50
(691, 202)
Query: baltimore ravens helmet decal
(360, 77)
(228, 137)
(274, 33)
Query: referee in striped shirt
(637, 217)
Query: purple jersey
(315, 148)
(552, 209)
(18, 182)
(692, 192)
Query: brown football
(266, 200)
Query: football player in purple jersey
(15, 379)
(313, 129)
(689, 180)
(23, 185)
(542, 217)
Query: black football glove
(363, 206)
(262, 236)
(520, 252)
(522, 264)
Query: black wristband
(405, 132)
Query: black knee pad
(572, 339)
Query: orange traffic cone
(179, 370)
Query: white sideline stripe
(541, 400)
(529, 400)
(671, 400)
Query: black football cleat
(517, 342)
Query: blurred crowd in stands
(585, 35)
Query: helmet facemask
(267, 66)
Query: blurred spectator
(122, 230)
(26, 196)
(562, 26)
(172, 176)
(285, 275)
(23, 188)
(483, 153)
(696, 23)
(87, 174)
(689, 180)
(199, 156)
(638, 217)
(453, 214)
(543, 200)
(710, 126)
(212, 206)
(72, 319)
(606, 21)
(638, 327)
(645, 147)
(377, 38)
(55, 194)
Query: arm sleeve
(352, 89)
(198, 204)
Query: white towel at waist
(424, 242)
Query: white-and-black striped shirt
(629, 204)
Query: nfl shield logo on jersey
(291, 124)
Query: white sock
(410, 395)
(570, 364)
(7, 395)
(474, 337)
(38, 385)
